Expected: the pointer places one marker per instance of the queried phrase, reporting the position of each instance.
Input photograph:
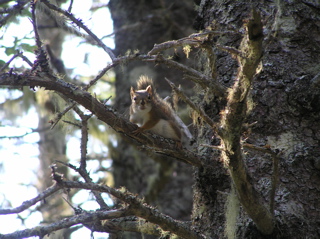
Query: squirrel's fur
(151, 112)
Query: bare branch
(26, 204)
(79, 23)
(8, 62)
(25, 134)
(102, 73)
(65, 223)
(197, 76)
(83, 162)
(188, 156)
(139, 208)
(13, 11)
(175, 43)
(198, 109)
(231, 50)
(34, 24)
(124, 224)
(258, 148)
(84, 140)
(18, 54)
(91, 83)
(82, 170)
(200, 78)
(195, 39)
(213, 147)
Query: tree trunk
(139, 25)
(284, 117)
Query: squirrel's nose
(142, 102)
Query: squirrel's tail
(143, 82)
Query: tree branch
(198, 77)
(134, 225)
(138, 208)
(41, 231)
(26, 204)
(232, 122)
(195, 39)
(79, 23)
(102, 111)
(135, 207)
(82, 170)
(198, 109)
(18, 54)
(13, 11)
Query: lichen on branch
(232, 123)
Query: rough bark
(284, 110)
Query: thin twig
(139, 208)
(189, 157)
(82, 170)
(200, 78)
(42, 60)
(25, 134)
(8, 62)
(41, 231)
(72, 123)
(62, 23)
(27, 204)
(25, 58)
(102, 73)
(258, 148)
(91, 83)
(59, 115)
(80, 24)
(195, 39)
(70, 6)
(34, 24)
(13, 11)
(213, 146)
(231, 50)
(18, 54)
(196, 108)
(84, 141)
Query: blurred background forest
(28, 144)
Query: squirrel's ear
(132, 91)
(149, 89)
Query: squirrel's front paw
(137, 131)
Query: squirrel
(150, 112)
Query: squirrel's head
(141, 98)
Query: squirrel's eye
(134, 98)
(149, 97)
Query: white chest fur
(164, 129)
(139, 116)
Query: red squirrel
(150, 112)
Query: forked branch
(232, 122)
